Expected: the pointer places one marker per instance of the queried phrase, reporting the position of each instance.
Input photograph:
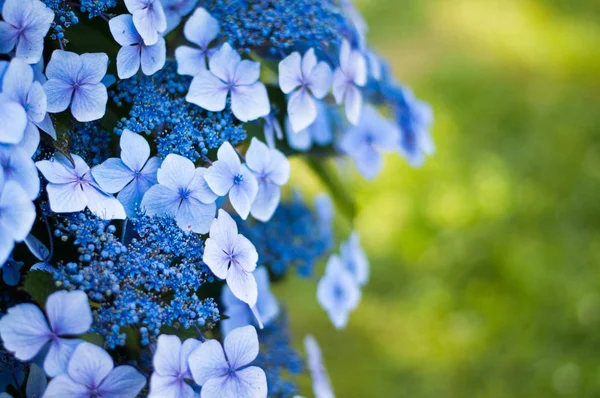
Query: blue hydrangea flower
(17, 215)
(364, 142)
(76, 80)
(149, 19)
(134, 51)
(357, 20)
(240, 314)
(183, 194)
(231, 256)
(354, 259)
(319, 133)
(303, 78)
(347, 80)
(175, 10)
(222, 371)
(229, 175)
(272, 129)
(91, 373)
(415, 119)
(201, 29)
(320, 379)
(41, 252)
(229, 74)
(171, 368)
(337, 292)
(25, 330)
(131, 175)
(18, 166)
(272, 170)
(72, 188)
(26, 23)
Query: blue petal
(250, 102)
(242, 195)
(24, 331)
(153, 57)
(224, 63)
(112, 175)
(58, 95)
(122, 381)
(195, 216)
(241, 346)
(190, 61)
(89, 102)
(135, 150)
(13, 121)
(128, 61)
(208, 91)
(201, 28)
(69, 313)
(89, 365)
(64, 65)
(123, 30)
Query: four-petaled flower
(26, 23)
(77, 80)
(25, 330)
(231, 256)
(149, 19)
(229, 175)
(175, 10)
(171, 368)
(303, 76)
(347, 80)
(364, 142)
(134, 51)
(131, 175)
(272, 170)
(91, 373)
(337, 292)
(320, 132)
(200, 29)
(71, 188)
(222, 371)
(17, 215)
(229, 74)
(182, 193)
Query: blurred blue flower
(272, 170)
(229, 175)
(17, 216)
(131, 175)
(72, 188)
(26, 23)
(171, 368)
(354, 259)
(201, 29)
(415, 119)
(134, 51)
(347, 80)
(337, 292)
(149, 19)
(223, 370)
(272, 129)
(231, 256)
(320, 379)
(303, 78)
(76, 80)
(319, 133)
(229, 74)
(325, 214)
(182, 192)
(175, 10)
(91, 373)
(25, 330)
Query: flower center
(184, 193)
(238, 179)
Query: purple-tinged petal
(135, 150)
(153, 57)
(24, 331)
(250, 102)
(59, 354)
(199, 189)
(302, 109)
(219, 177)
(93, 68)
(128, 61)
(290, 73)
(195, 216)
(340, 84)
(241, 346)
(266, 201)
(36, 103)
(69, 313)
(215, 258)
(247, 72)
(58, 95)
(18, 212)
(66, 198)
(13, 121)
(207, 362)
(320, 80)
(123, 30)
(176, 172)
(187, 348)
(89, 102)
(64, 66)
(122, 382)
(224, 63)
(63, 386)
(135, 5)
(201, 28)
(190, 61)
(19, 167)
(242, 284)
(169, 387)
(18, 79)
(208, 92)
(150, 21)
(105, 206)
(166, 360)
(354, 104)
(242, 195)
(132, 195)
(160, 200)
(309, 61)
(250, 382)
(89, 365)
(245, 253)
(219, 387)
(8, 37)
(55, 172)
(112, 175)
(30, 47)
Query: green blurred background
(485, 278)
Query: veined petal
(123, 31)
(122, 381)
(149, 21)
(250, 102)
(112, 175)
(57, 358)
(89, 365)
(207, 362)
(36, 102)
(135, 150)
(154, 57)
(250, 382)
(176, 172)
(63, 386)
(224, 63)
(103, 205)
(166, 358)
(58, 95)
(219, 177)
(242, 284)
(302, 110)
(8, 37)
(64, 66)
(241, 346)
(18, 79)
(89, 102)
(128, 61)
(242, 195)
(216, 258)
(160, 200)
(247, 72)
(24, 331)
(66, 198)
(290, 73)
(224, 231)
(195, 216)
(13, 121)
(169, 387)
(245, 253)
(132, 195)
(93, 68)
(208, 92)
(199, 188)
(201, 28)
(69, 313)
(190, 61)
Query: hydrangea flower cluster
(146, 205)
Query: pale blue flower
(26, 23)
(91, 373)
(272, 170)
(134, 51)
(319, 133)
(337, 292)
(131, 175)
(347, 80)
(241, 314)
(201, 29)
(25, 330)
(354, 259)
(149, 19)
(222, 371)
(363, 143)
(72, 188)
(229, 175)
(229, 74)
(182, 193)
(11, 272)
(171, 368)
(76, 80)
(17, 214)
(175, 10)
(231, 256)
(320, 379)
(272, 130)
(20, 168)
(303, 78)
(415, 140)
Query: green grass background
(485, 278)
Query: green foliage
(39, 285)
